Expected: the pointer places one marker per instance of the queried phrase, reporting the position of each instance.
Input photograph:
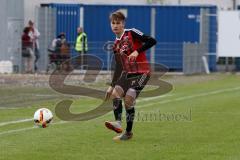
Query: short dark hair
(30, 22)
(117, 15)
(26, 30)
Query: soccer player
(131, 74)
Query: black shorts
(134, 81)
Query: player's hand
(108, 93)
(133, 56)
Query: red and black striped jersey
(131, 40)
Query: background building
(189, 31)
(30, 13)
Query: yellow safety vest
(79, 43)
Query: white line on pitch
(25, 129)
(193, 96)
(14, 122)
(153, 98)
(16, 130)
(146, 105)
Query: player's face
(117, 27)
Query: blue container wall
(212, 39)
(173, 24)
(173, 27)
(68, 19)
(97, 25)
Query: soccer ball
(43, 117)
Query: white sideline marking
(7, 108)
(25, 129)
(194, 96)
(14, 122)
(16, 130)
(153, 98)
(42, 95)
(143, 106)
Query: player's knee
(114, 95)
(117, 92)
(129, 102)
(130, 97)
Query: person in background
(58, 43)
(27, 51)
(60, 51)
(81, 45)
(34, 34)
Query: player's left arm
(147, 41)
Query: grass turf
(198, 120)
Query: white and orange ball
(43, 117)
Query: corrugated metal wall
(174, 26)
(68, 19)
(193, 53)
(97, 25)
(213, 28)
(96, 20)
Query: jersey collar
(121, 35)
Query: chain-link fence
(187, 57)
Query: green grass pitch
(199, 119)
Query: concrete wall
(3, 28)
(11, 12)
